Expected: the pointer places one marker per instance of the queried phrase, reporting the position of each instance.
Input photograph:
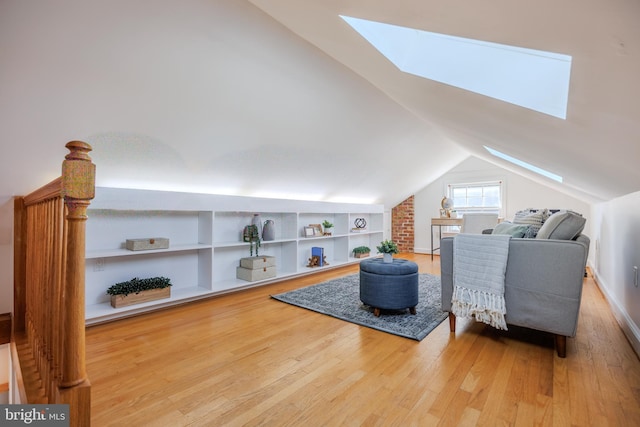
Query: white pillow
(531, 218)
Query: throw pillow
(563, 225)
(514, 230)
(534, 219)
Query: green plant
(361, 250)
(253, 238)
(326, 224)
(136, 285)
(387, 247)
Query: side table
(442, 222)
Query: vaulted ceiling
(282, 98)
(597, 149)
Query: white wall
(519, 193)
(616, 240)
(6, 254)
(181, 95)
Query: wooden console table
(442, 222)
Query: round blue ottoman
(389, 286)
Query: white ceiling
(285, 99)
(597, 149)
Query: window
(533, 79)
(476, 197)
(523, 164)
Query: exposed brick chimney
(402, 225)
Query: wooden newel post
(78, 188)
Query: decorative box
(256, 268)
(258, 262)
(146, 244)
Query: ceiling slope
(596, 149)
(201, 95)
(286, 100)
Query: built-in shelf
(205, 242)
(246, 244)
(107, 253)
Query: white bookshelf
(205, 235)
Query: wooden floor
(247, 359)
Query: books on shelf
(318, 252)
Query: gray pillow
(534, 219)
(513, 230)
(562, 225)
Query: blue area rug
(340, 298)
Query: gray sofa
(543, 284)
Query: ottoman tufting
(391, 286)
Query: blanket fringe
(487, 307)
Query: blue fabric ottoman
(389, 286)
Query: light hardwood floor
(247, 359)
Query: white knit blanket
(479, 267)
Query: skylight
(533, 79)
(524, 164)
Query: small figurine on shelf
(360, 225)
(317, 261)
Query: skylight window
(524, 164)
(533, 79)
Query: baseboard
(629, 328)
(422, 251)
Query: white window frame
(461, 210)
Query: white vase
(257, 221)
(387, 258)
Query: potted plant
(361, 252)
(252, 235)
(327, 227)
(387, 248)
(136, 290)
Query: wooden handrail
(47, 192)
(49, 287)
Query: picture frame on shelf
(309, 232)
(317, 230)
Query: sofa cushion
(514, 230)
(533, 218)
(562, 225)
